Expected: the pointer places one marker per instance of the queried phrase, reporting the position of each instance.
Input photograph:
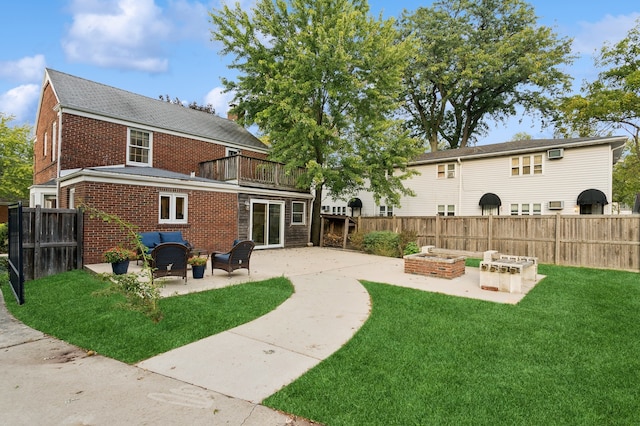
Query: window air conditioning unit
(554, 154)
(556, 205)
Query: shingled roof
(79, 94)
(519, 147)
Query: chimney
(231, 114)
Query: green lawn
(569, 353)
(67, 306)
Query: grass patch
(567, 354)
(74, 307)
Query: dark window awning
(355, 203)
(592, 196)
(490, 199)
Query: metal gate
(16, 273)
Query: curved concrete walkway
(256, 359)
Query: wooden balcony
(252, 172)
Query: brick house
(159, 166)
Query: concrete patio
(301, 261)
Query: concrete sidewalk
(219, 379)
(256, 359)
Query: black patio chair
(236, 258)
(170, 260)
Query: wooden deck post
(345, 232)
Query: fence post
(437, 230)
(79, 238)
(16, 252)
(37, 234)
(490, 232)
(556, 253)
(345, 232)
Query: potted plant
(119, 258)
(198, 264)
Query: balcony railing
(254, 172)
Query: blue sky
(155, 47)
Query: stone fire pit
(433, 265)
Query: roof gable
(87, 96)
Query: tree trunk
(316, 219)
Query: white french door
(267, 223)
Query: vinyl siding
(562, 179)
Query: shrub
(407, 237)
(4, 237)
(411, 248)
(382, 243)
(142, 295)
(357, 240)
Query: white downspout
(59, 150)
(459, 212)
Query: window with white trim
(173, 208)
(526, 209)
(386, 211)
(139, 147)
(526, 165)
(231, 152)
(46, 142)
(297, 212)
(72, 198)
(446, 210)
(447, 171)
(338, 210)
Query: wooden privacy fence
(597, 241)
(51, 241)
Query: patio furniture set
(170, 254)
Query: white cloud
(220, 100)
(127, 34)
(27, 69)
(20, 102)
(191, 20)
(610, 29)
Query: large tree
(477, 61)
(16, 160)
(320, 78)
(609, 104)
(626, 175)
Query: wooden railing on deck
(254, 172)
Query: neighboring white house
(567, 176)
